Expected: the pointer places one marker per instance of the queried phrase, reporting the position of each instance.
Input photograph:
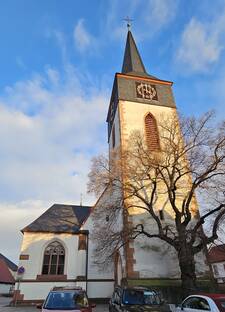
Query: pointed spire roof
(132, 62)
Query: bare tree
(190, 163)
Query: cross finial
(128, 20)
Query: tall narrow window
(151, 132)
(161, 215)
(54, 258)
(215, 269)
(113, 136)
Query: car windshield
(146, 297)
(65, 300)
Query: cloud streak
(201, 44)
(150, 17)
(198, 49)
(49, 130)
(83, 40)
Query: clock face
(146, 91)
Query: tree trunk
(187, 268)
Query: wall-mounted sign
(21, 270)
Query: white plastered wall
(34, 245)
(116, 148)
(154, 258)
(5, 288)
(104, 287)
(94, 271)
(75, 265)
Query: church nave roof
(60, 218)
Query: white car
(203, 302)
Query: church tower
(140, 101)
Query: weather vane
(128, 20)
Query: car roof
(136, 288)
(66, 289)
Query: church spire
(132, 62)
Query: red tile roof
(5, 274)
(217, 254)
(12, 266)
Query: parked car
(66, 299)
(203, 302)
(136, 299)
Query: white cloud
(53, 76)
(159, 13)
(82, 38)
(149, 17)
(44, 137)
(14, 217)
(50, 127)
(60, 39)
(200, 45)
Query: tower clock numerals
(146, 91)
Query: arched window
(151, 132)
(54, 258)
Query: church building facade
(57, 248)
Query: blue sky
(58, 60)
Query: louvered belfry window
(54, 258)
(151, 132)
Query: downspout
(86, 270)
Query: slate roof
(9, 263)
(217, 254)
(60, 219)
(5, 275)
(132, 62)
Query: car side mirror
(93, 305)
(39, 306)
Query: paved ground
(5, 301)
